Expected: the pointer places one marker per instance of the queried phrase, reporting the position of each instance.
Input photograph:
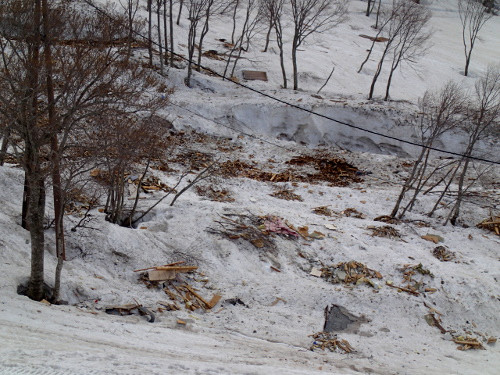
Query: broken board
(161, 275)
(253, 75)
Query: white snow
(268, 338)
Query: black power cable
(90, 3)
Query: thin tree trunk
(5, 145)
(171, 22)
(150, 31)
(165, 28)
(235, 11)
(158, 28)
(55, 157)
(180, 12)
(268, 35)
(294, 64)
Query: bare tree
(473, 16)
(410, 43)
(483, 117)
(49, 89)
(313, 16)
(130, 7)
(269, 13)
(277, 12)
(253, 17)
(438, 113)
(404, 26)
(197, 9)
(213, 7)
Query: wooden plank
(177, 268)
(197, 296)
(165, 265)
(253, 75)
(161, 275)
(215, 299)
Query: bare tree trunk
(294, 64)
(150, 31)
(368, 8)
(5, 145)
(375, 77)
(171, 22)
(158, 29)
(35, 223)
(55, 156)
(181, 4)
(268, 35)
(165, 28)
(235, 11)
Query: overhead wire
(296, 106)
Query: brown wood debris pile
(286, 194)
(412, 286)
(323, 210)
(214, 194)
(354, 213)
(491, 224)
(443, 254)
(466, 343)
(335, 171)
(330, 341)
(385, 231)
(350, 273)
(77, 202)
(245, 227)
(153, 183)
(178, 290)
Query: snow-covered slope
(270, 333)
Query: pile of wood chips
(385, 231)
(443, 254)
(178, 291)
(466, 343)
(287, 194)
(491, 224)
(330, 341)
(214, 194)
(349, 273)
(307, 169)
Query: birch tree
(313, 16)
(473, 15)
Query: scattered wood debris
(353, 212)
(286, 194)
(491, 224)
(435, 321)
(304, 232)
(214, 194)
(330, 341)
(152, 183)
(213, 54)
(413, 286)
(387, 219)
(402, 289)
(433, 238)
(307, 169)
(129, 310)
(385, 231)
(373, 38)
(443, 254)
(323, 210)
(350, 273)
(466, 343)
(252, 229)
